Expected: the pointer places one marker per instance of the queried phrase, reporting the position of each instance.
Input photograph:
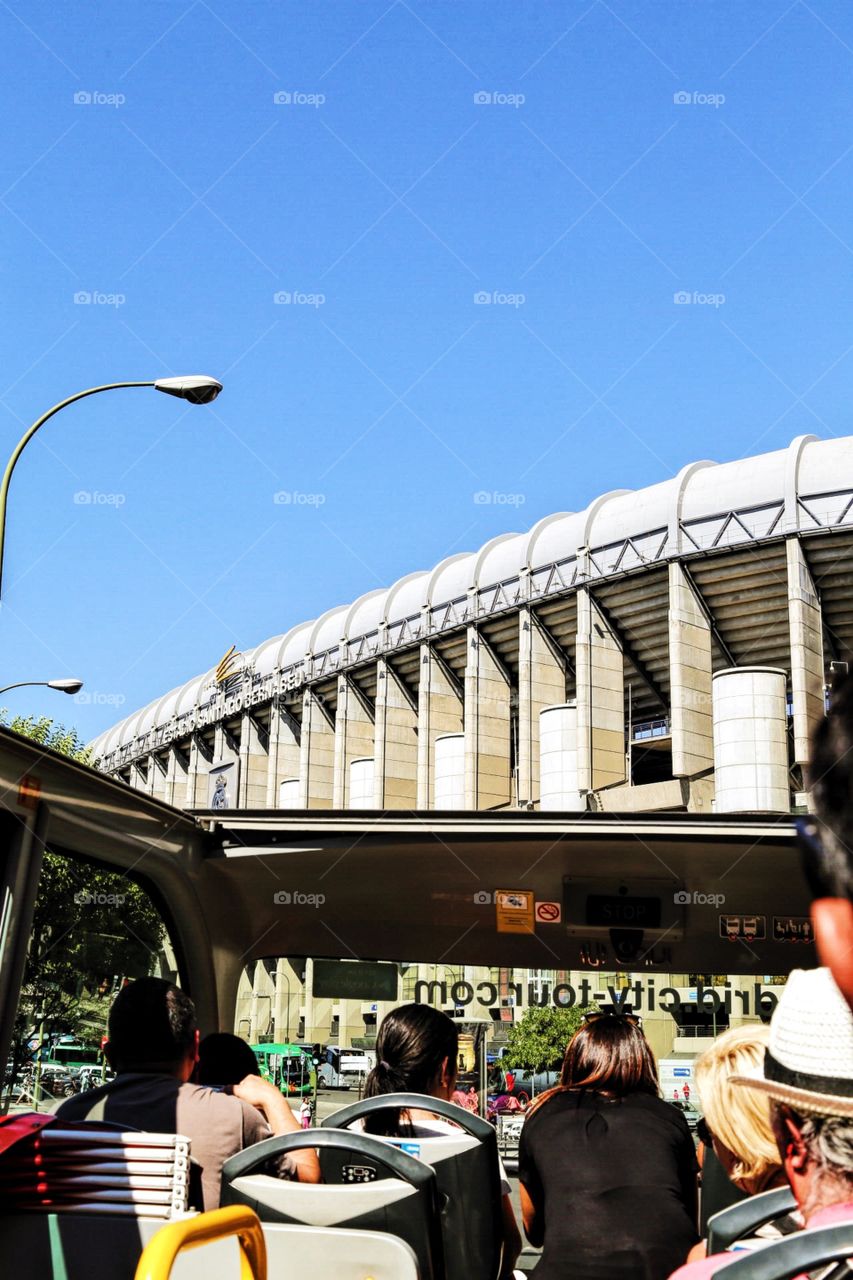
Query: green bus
(288, 1066)
(71, 1055)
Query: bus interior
(651, 894)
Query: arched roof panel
(366, 613)
(502, 558)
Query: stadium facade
(664, 649)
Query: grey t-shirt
(217, 1124)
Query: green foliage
(89, 927)
(538, 1040)
(47, 734)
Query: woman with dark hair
(607, 1169)
(416, 1052)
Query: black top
(616, 1183)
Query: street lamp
(64, 686)
(197, 389)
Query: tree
(538, 1040)
(89, 927)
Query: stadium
(663, 650)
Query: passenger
(807, 1075)
(416, 1052)
(827, 842)
(736, 1123)
(153, 1048)
(224, 1059)
(607, 1168)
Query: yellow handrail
(159, 1254)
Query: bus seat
(294, 1252)
(74, 1183)
(467, 1175)
(796, 1255)
(376, 1188)
(744, 1218)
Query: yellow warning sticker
(514, 911)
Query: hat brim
(825, 1104)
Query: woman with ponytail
(416, 1052)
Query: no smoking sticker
(549, 913)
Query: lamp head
(196, 388)
(66, 686)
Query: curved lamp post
(64, 686)
(197, 389)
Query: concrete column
(440, 710)
(353, 738)
(541, 683)
(308, 1000)
(807, 662)
(488, 783)
(176, 779)
(283, 755)
(286, 1002)
(316, 754)
(157, 778)
(751, 741)
(196, 776)
(600, 692)
(691, 717)
(396, 747)
(254, 764)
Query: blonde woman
(736, 1122)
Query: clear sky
(381, 164)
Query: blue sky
(382, 164)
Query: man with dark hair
(827, 843)
(153, 1048)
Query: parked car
(691, 1115)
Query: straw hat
(808, 1062)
